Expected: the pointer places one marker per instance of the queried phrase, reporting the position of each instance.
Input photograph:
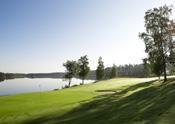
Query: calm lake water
(24, 85)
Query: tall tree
(100, 71)
(71, 70)
(113, 71)
(157, 38)
(157, 66)
(83, 67)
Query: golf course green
(115, 101)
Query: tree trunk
(164, 70)
(82, 80)
(69, 81)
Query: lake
(25, 85)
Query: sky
(40, 35)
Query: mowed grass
(115, 101)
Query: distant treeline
(4, 76)
(128, 70)
(125, 70)
(136, 70)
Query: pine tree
(100, 72)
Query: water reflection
(24, 85)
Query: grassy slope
(135, 102)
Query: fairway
(108, 101)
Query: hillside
(116, 101)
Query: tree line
(159, 46)
(4, 76)
(80, 69)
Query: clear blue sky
(39, 35)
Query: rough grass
(132, 101)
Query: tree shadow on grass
(141, 106)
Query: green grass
(116, 101)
